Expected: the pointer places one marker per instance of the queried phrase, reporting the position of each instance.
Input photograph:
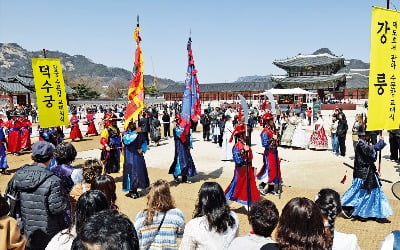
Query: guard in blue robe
(135, 172)
(183, 164)
(365, 198)
(3, 153)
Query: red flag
(136, 89)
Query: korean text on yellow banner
(50, 92)
(384, 76)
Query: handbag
(158, 229)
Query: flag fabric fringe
(136, 89)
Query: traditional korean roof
(223, 87)
(13, 87)
(28, 82)
(356, 81)
(304, 61)
(310, 82)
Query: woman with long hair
(301, 226)
(106, 184)
(88, 204)
(328, 201)
(214, 225)
(161, 222)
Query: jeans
(335, 143)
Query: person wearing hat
(183, 164)
(226, 153)
(26, 131)
(42, 204)
(14, 134)
(74, 124)
(243, 188)
(91, 130)
(107, 117)
(270, 172)
(110, 139)
(135, 172)
(365, 198)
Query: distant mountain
(16, 60)
(323, 51)
(350, 63)
(254, 78)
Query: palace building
(324, 74)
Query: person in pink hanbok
(318, 139)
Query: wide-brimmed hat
(238, 130)
(267, 116)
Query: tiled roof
(310, 79)
(13, 87)
(309, 60)
(28, 82)
(356, 81)
(223, 87)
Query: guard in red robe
(75, 130)
(90, 121)
(243, 188)
(14, 134)
(26, 131)
(270, 172)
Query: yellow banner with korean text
(384, 76)
(51, 96)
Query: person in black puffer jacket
(42, 203)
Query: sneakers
(261, 190)
(176, 179)
(278, 192)
(133, 195)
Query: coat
(10, 234)
(42, 204)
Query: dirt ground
(304, 173)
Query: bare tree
(117, 89)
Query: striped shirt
(172, 227)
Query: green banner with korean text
(50, 92)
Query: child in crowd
(263, 218)
(90, 170)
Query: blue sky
(230, 38)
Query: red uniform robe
(91, 127)
(14, 136)
(25, 133)
(75, 130)
(243, 188)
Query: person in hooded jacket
(42, 204)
